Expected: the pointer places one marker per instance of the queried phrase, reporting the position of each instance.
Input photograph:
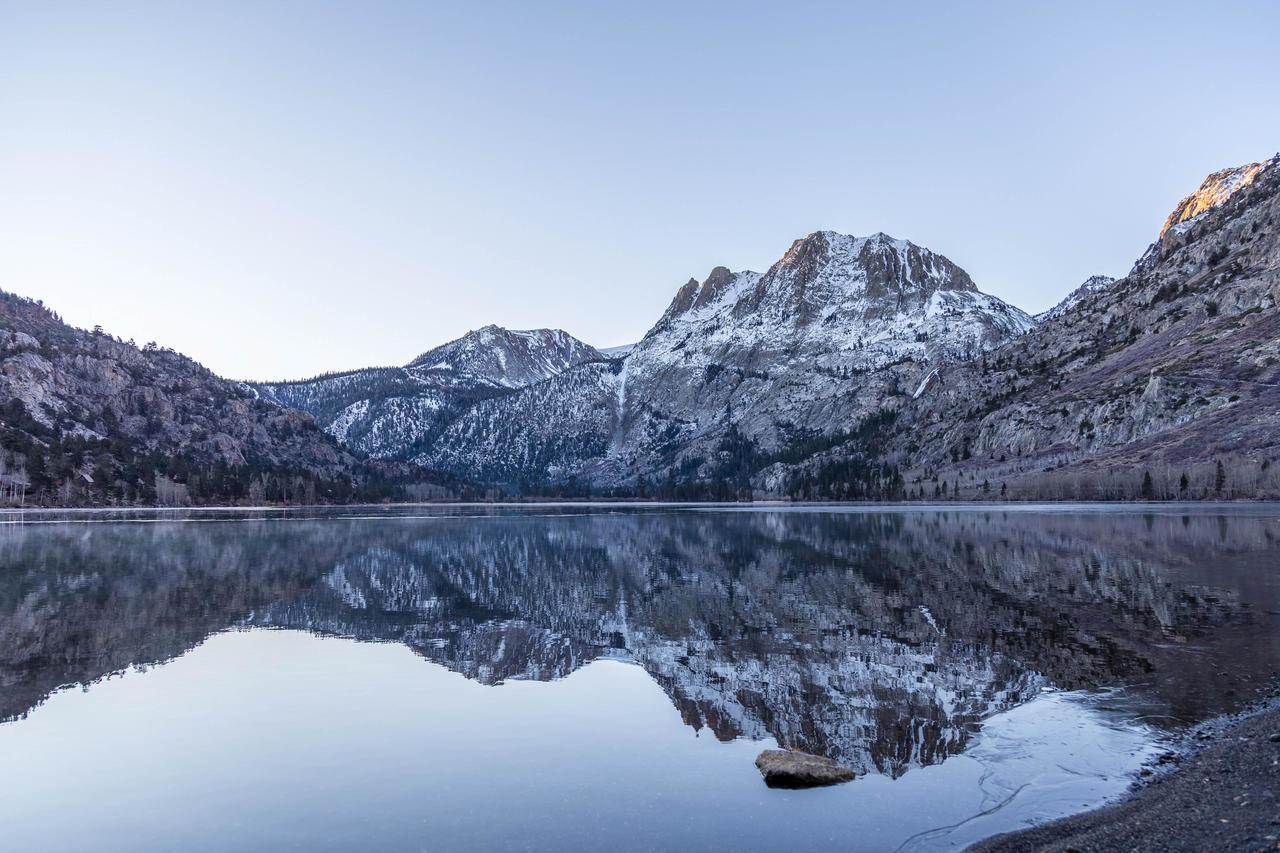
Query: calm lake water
(602, 677)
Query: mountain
(853, 368)
(1093, 284)
(89, 418)
(1163, 384)
(391, 411)
(873, 368)
(803, 350)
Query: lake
(552, 677)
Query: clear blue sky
(279, 189)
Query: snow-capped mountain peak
(389, 411)
(840, 292)
(875, 276)
(620, 351)
(1214, 192)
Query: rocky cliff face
(809, 347)
(396, 411)
(87, 417)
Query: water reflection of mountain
(879, 638)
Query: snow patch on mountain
(391, 411)
(1092, 285)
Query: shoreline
(606, 501)
(1218, 789)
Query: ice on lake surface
(602, 677)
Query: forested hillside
(88, 419)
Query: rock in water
(787, 768)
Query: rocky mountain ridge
(390, 411)
(1093, 284)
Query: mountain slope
(536, 436)
(1164, 384)
(395, 411)
(89, 418)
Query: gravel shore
(1223, 795)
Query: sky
(282, 189)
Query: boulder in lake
(788, 768)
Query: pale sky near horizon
(280, 189)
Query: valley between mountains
(853, 368)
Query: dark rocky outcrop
(787, 768)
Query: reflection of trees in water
(879, 638)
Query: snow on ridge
(827, 293)
(1093, 284)
(341, 425)
(924, 383)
